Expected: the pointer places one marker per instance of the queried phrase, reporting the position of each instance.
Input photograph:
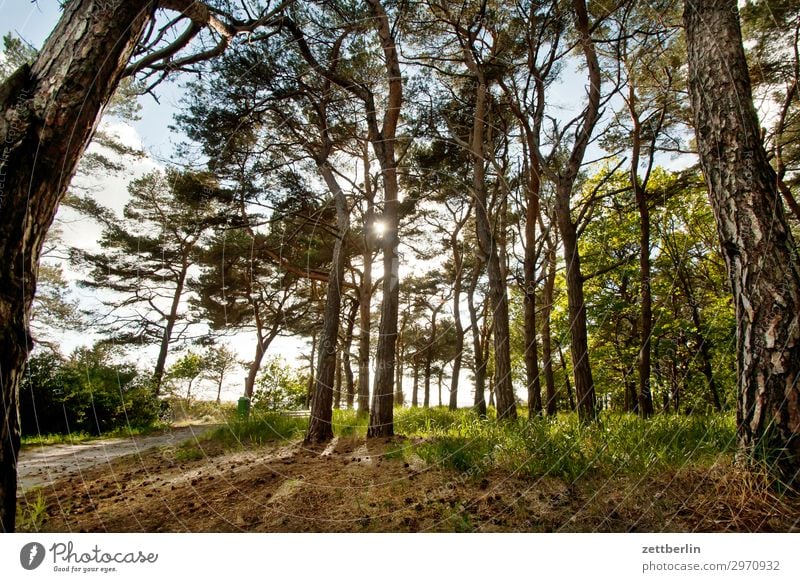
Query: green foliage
(32, 511)
(188, 368)
(88, 392)
(279, 387)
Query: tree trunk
(760, 253)
(415, 388)
(337, 391)
(320, 429)
(312, 360)
(547, 349)
(567, 385)
(533, 380)
(158, 373)
(255, 366)
(506, 402)
(348, 343)
(381, 421)
(439, 383)
(479, 362)
(365, 297)
(48, 114)
(646, 297)
(459, 326)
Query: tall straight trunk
(498, 296)
(547, 346)
(346, 347)
(337, 384)
(567, 384)
(319, 427)
(381, 421)
(457, 324)
(645, 297)
(172, 317)
(439, 383)
(579, 343)
(533, 379)
(312, 372)
(703, 341)
(415, 388)
(760, 252)
(579, 346)
(479, 362)
(429, 349)
(365, 295)
(48, 114)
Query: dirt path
(43, 465)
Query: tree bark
(533, 379)
(381, 422)
(48, 113)
(158, 373)
(579, 346)
(487, 242)
(348, 343)
(320, 429)
(760, 253)
(479, 362)
(547, 345)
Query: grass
(73, 438)
(258, 429)
(31, 514)
(617, 445)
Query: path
(43, 464)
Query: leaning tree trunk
(459, 331)
(172, 318)
(48, 113)
(760, 253)
(319, 427)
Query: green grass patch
(31, 511)
(258, 429)
(618, 444)
(74, 438)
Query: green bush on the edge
(86, 392)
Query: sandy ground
(43, 465)
(354, 485)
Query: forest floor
(355, 485)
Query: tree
(48, 112)
(759, 250)
(146, 257)
(188, 368)
(219, 361)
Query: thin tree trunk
(415, 388)
(161, 361)
(365, 297)
(348, 343)
(48, 114)
(479, 363)
(567, 384)
(337, 390)
(312, 361)
(458, 325)
(533, 379)
(547, 349)
(760, 253)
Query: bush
(280, 387)
(85, 393)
